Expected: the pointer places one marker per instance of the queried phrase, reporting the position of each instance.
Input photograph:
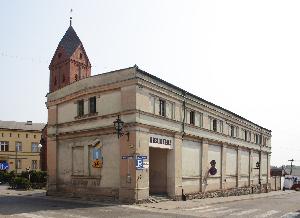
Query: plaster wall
(191, 166)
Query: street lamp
(119, 124)
(40, 149)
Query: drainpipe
(184, 112)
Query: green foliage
(6, 177)
(20, 183)
(26, 180)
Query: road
(19, 206)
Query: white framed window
(34, 164)
(4, 146)
(18, 146)
(34, 147)
(19, 164)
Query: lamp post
(119, 124)
(40, 151)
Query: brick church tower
(70, 62)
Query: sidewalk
(169, 205)
(4, 191)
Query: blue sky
(241, 55)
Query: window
(265, 139)
(221, 126)
(2, 134)
(76, 77)
(80, 56)
(34, 147)
(162, 107)
(34, 164)
(232, 131)
(215, 125)
(9, 134)
(245, 135)
(34, 136)
(256, 137)
(80, 108)
(55, 81)
(79, 72)
(260, 139)
(63, 78)
(201, 120)
(18, 135)
(92, 105)
(18, 146)
(3, 146)
(26, 135)
(192, 117)
(19, 164)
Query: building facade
(19, 142)
(187, 146)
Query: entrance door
(157, 170)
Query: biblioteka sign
(159, 141)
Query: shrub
(6, 177)
(20, 183)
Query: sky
(241, 55)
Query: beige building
(173, 142)
(19, 145)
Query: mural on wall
(97, 156)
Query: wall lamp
(119, 124)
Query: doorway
(157, 171)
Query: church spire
(70, 62)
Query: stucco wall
(191, 166)
(75, 171)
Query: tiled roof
(70, 41)
(13, 125)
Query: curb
(256, 196)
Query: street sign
(146, 164)
(127, 157)
(139, 162)
(4, 166)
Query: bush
(20, 183)
(37, 179)
(6, 177)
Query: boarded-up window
(77, 158)
(244, 163)
(191, 153)
(231, 162)
(214, 153)
(264, 164)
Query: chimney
(29, 122)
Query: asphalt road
(44, 207)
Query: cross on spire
(71, 16)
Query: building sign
(159, 141)
(139, 162)
(4, 165)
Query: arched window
(76, 77)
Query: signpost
(139, 162)
(4, 165)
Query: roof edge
(199, 98)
